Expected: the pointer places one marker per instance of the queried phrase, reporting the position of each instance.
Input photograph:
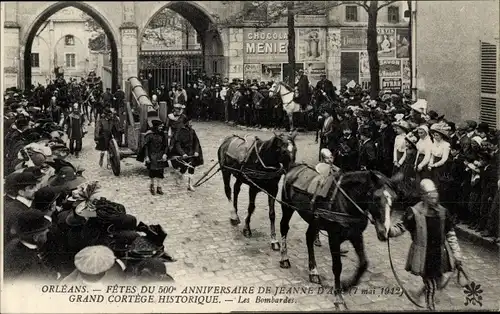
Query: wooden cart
(138, 112)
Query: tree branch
(387, 3)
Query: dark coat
(303, 86)
(347, 153)
(155, 145)
(187, 143)
(20, 262)
(75, 118)
(385, 150)
(367, 155)
(327, 87)
(105, 128)
(11, 210)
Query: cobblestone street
(211, 251)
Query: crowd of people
(57, 225)
(393, 135)
(243, 102)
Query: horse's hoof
(317, 242)
(315, 279)
(234, 222)
(285, 264)
(247, 233)
(275, 246)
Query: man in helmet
(434, 250)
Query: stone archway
(25, 76)
(204, 24)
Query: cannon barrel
(146, 107)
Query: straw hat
(94, 260)
(442, 128)
(405, 126)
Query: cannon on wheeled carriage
(139, 111)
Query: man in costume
(434, 250)
(75, 128)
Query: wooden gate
(168, 69)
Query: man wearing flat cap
(20, 188)
(21, 256)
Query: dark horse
(266, 162)
(370, 195)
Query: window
(351, 13)
(71, 60)
(393, 14)
(197, 39)
(35, 60)
(69, 40)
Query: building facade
(456, 57)
(331, 42)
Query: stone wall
(235, 53)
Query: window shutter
(489, 81)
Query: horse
(287, 95)
(342, 209)
(260, 163)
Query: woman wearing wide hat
(401, 128)
(439, 164)
(424, 148)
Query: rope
(397, 278)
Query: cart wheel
(114, 156)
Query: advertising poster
(365, 83)
(390, 68)
(252, 72)
(314, 71)
(287, 71)
(354, 38)
(386, 40)
(402, 43)
(268, 45)
(311, 45)
(393, 84)
(271, 72)
(364, 64)
(406, 70)
(406, 87)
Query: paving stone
(211, 251)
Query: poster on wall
(311, 45)
(314, 71)
(386, 40)
(365, 83)
(354, 38)
(271, 72)
(252, 72)
(406, 70)
(393, 84)
(402, 43)
(364, 64)
(406, 87)
(267, 45)
(287, 71)
(390, 68)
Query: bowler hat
(156, 123)
(94, 260)
(365, 131)
(44, 198)
(31, 221)
(21, 180)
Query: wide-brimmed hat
(155, 123)
(72, 219)
(84, 196)
(68, 178)
(94, 260)
(31, 221)
(412, 139)
(179, 106)
(442, 128)
(254, 87)
(420, 106)
(402, 124)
